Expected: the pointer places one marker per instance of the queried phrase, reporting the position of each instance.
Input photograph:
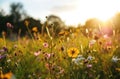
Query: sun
(87, 9)
(101, 9)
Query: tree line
(17, 19)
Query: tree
(15, 11)
(3, 19)
(16, 17)
(55, 24)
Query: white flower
(90, 58)
(80, 57)
(78, 60)
(92, 42)
(115, 59)
(37, 53)
(8, 60)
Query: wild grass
(47, 57)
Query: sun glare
(86, 9)
(101, 9)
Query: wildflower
(90, 58)
(108, 30)
(73, 52)
(109, 43)
(5, 48)
(37, 53)
(75, 61)
(8, 76)
(2, 56)
(34, 29)
(2, 50)
(92, 42)
(115, 59)
(47, 55)
(105, 36)
(8, 60)
(78, 60)
(80, 57)
(47, 65)
(9, 25)
(29, 76)
(89, 65)
(45, 45)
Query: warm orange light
(86, 9)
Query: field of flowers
(71, 55)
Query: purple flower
(2, 56)
(5, 48)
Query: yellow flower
(6, 76)
(73, 52)
(34, 29)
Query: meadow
(70, 55)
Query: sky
(72, 12)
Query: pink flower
(109, 43)
(89, 65)
(45, 44)
(107, 30)
(47, 66)
(105, 36)
(92, 42)
(2, 50)
(47, 55)
(9, 25)
(37, 53)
